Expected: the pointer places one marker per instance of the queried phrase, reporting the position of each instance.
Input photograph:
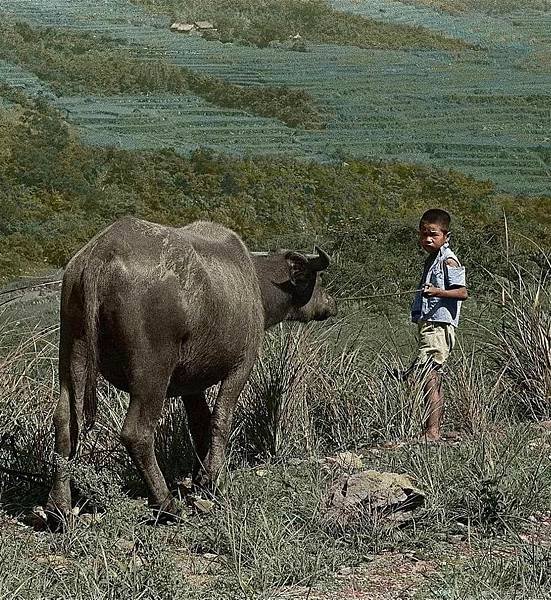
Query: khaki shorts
(436, 341)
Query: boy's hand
(431, 291)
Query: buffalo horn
(319, 261)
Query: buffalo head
(292, 287)
(311, 301)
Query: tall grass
(28, 391)
(522, 342)
(313, 392)
(309, 395)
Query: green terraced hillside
(483, 6)
(483, 111)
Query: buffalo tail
(91, 275)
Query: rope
(30, 287)
(345, 298)
(23, 288)
(373, 296)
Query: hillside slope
(484, 112)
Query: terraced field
(485, 112)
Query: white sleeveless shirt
(437, 273)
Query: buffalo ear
(299, 269)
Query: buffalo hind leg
(221, 421)
(138, 436)
(67, 420)
(198, 418)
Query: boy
(435, 309)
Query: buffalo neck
(276, 302)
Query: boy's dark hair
(438, 217)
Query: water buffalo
(162, 312)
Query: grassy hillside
(496, 7)
(406, 104)
(318, 390)
(56, 193)
(72, 62)
(266, 21)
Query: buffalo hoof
(207, 487)
(52, 518)
(166, 514)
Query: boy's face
(432, 237)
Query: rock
(373, 492)
(91, 518)
(203, 505)
(347, 461)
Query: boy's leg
(436, 341)
(434, 405)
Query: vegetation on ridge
(56, 193)
(75, 63)
(265, 21)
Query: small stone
(346, 460)
(38, 519)
(203, 505)
(261, 472)
(126, 545)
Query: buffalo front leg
(138, 436)
(221, 421)
(198, 418)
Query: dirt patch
(390, 576)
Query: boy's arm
(456, 291)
